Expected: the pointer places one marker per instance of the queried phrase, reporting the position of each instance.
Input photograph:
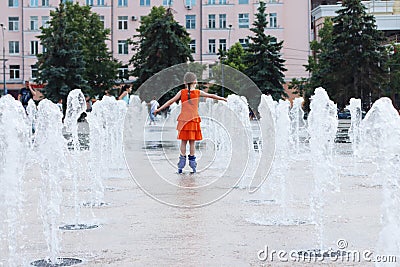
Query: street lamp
(4, 59)
(223, 57)
(229, 36)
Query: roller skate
(181, 163)
(192, 163)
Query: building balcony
(386, 13)
(372, 7)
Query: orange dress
(189, 120)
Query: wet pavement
(163, 225)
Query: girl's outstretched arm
(122, 95)
(168, 103)
(204, 94)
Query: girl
(188, 121)
(124, 95)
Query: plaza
(149, 215)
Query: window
(89, 2)
(13, 3)
(13, 47)
(222, 44)
(45, 3)
(122, 47)
(273, 20)
(45, 21)
(102, 21)
(244, 42)
(145, 2)
(192, 46)
(100, 2)
(34, 23)
(34, 47)
(122, 22)
(211, 46)
(14, 72)
(167, 2)
(33, 3)
(34, 71)
(211, 2)
(122, 2)
(222, 21)
(44, 49)
(244, 20)
(190, 3)
(190, 21)
(243, 2)
(123, 72)
(222, 2)
(13, 24)
(211, 21)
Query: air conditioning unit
(189, 7)
(134, 18)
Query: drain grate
(60, 262)
(78, 227)
(94, 205)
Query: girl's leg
(182, 157)
(192, 148)
(183, 147)
(192, 158)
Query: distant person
(38, 96)
(89, 103)
(60, 105)
(107, 92)
(189, 120)
(124, 94)
(251, 115)
(25, 94)
(153, 106)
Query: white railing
(379, 6)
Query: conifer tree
(357, 57)
(264, 63)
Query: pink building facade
(212, 24)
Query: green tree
(100, 68)
(357, 58)
(264, 63)
(234, 58)
(161, 43)
(62, 66)
(393, 67)
(319, 65)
